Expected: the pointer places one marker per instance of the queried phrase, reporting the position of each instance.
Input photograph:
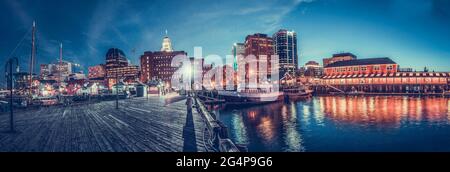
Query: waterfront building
(379, 75)
(285, 46)
(362, 66)
(117, 66)
(400, 82)
(238, 49)
(158, 65)
(338, 57)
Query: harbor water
(338, 123)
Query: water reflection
(343, 123)
(385, 111)
(240, 131)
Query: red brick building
(258, 44)
(379, 75)
(158, 65)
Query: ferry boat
(298, 93)
(250, 97)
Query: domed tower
(115, 58)
(166, 44)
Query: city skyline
(157, 76)
(136, 27)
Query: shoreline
(386, 94)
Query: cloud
(272, 20)
(266, 14)
(103, 18)
(20, 12)
(45, 48)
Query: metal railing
(217, 131)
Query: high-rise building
(117, 66)
(115, 58)
(157, 66)
(236, 50)
(285, 46)
(258, 45)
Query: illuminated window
(364, 68)
(389, 67)
(376, 67)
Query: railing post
(216, 138)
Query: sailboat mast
(60, 65)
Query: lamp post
(9, 76)
(192, 77)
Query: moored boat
(294, 94)
(250, 97)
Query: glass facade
(285, 46)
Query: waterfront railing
(217, 131)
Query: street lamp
(9, 76)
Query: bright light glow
(187, 70)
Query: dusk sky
(414, 33)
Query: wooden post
(9, 76)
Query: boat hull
(244, 99)
(295, 97)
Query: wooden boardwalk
(137, 126)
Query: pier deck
(138, 126)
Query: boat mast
(33, 56)
(60, 67)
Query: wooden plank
(138, 126)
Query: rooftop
(344, 54)
(370, 61)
